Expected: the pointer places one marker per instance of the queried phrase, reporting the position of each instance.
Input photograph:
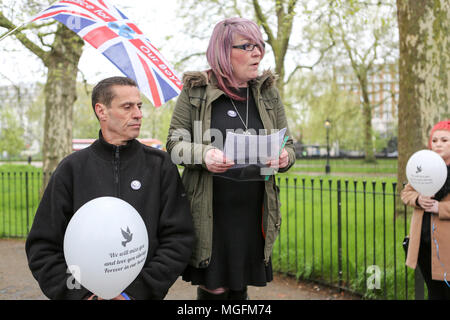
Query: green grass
(387, 166)
(19, 198)
(307, 247)
(372, 230)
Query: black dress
(237, 258)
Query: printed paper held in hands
(247, 150)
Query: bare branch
(291, 7)
(6, 23)
(236, 9)
(322, 55)
(12, 82)
(196, 54)
(41, 37)
(42, 25)
(285, 23)
(85, 83)
(377, 3)
(262, 19)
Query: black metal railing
(345, 234)
(19, 199)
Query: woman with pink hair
(429, 244)
(236, 209)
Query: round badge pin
(135, 185)
(232, 113)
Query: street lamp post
(327, 126)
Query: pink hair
(220, 46)
(442, 125)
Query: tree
(363, 33)
(316, 98)
(61, 59)
(11, 133)
(20, 98)
(156, 121)
(277, 21)
(424, 67)
(85, 123)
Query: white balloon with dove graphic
(426, 172)
(106, 243)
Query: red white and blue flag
(108, 30)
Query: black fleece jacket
(107, 170)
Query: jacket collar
(200, 78)
(108, 151)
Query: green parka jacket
(189, 140)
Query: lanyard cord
(246, 118)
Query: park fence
(340, 233)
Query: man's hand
(216, 161)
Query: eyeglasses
(248, 46)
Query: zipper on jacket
(117, 171)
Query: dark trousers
(437, 290)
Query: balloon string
(439, 259)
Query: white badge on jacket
(232, 113)
(135, 184)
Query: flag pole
(11, 31)
(25, 23)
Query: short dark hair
(102, 92)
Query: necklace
(246, 117)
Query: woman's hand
(281, 162)
(435, 207)
(428, 204)
(216, 161)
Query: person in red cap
(429, 244)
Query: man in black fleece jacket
(114, 165)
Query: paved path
(17, 283)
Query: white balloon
(426, 172)
(105, 246)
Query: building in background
(383, 90)
(24, 93)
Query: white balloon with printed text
(105, 246)
(426, 172)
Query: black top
(426, 219)
(107, 170)
(237, 258)
(225, 117)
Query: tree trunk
(285, 13)
(369, 155)
(279, 70)
(424, 69)
(60, 95)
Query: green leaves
(11, 133)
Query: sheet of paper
(246, 150)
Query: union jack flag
(108, 30)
